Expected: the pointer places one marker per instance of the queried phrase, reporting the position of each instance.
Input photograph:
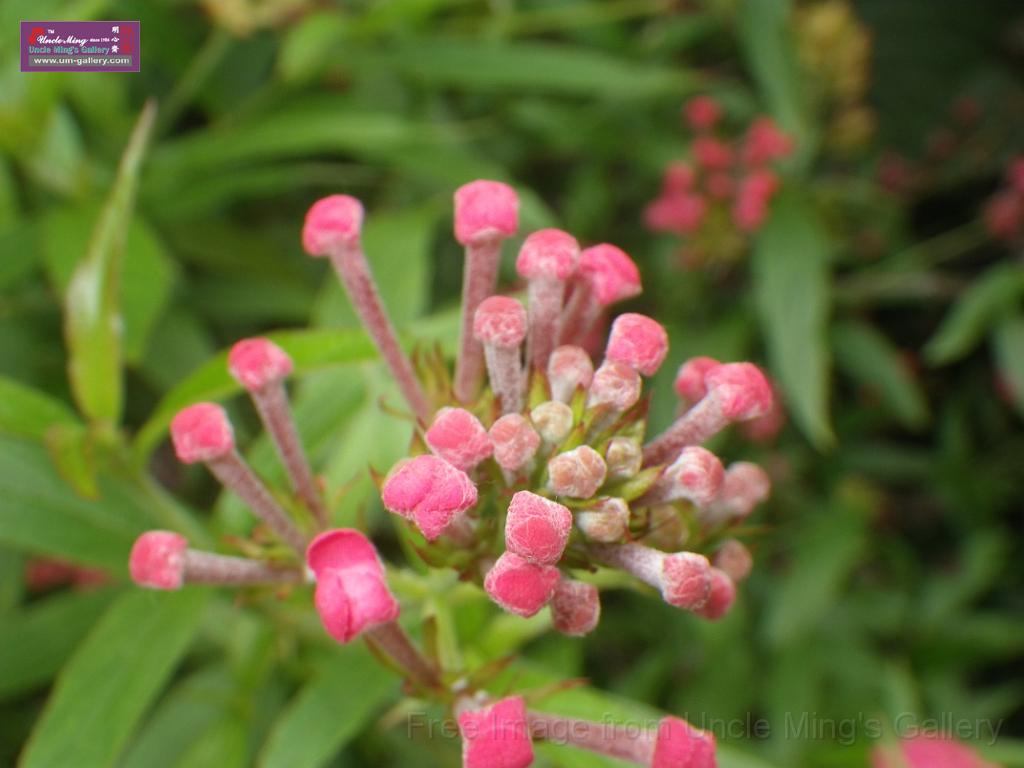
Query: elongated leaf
(27, 412)
(1009, 349)
(310, 350)
(793, 291)
(329, 710)
(870, 359)
(991, 295)
(532, 67)
(39, 512)
(92, 309)
(112, 678)
(35, 642)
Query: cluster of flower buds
(714, 200)
(1004, 213)
(527, 485)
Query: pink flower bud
(721, 597)
(702, 113)
(615, 385)
(741, 389)
(458, 437)
(497, 736)
(575, 608)
(928, 750)
(765, 143)
(519, 586)
(501, 321)
(686, 580)
(623, 457)
(712, 154)
(569, 368)
(429, 491)
(689, 384)
(157, 560)
(678, 213)
(515, 441)
(744, 486)
(332, 222)
(637, 341)
(537, 529)
(255, 363)
(605, 521)
(680, 745)
(577, 473)
(202, 432)
(696, 475)
(679, 177)
(549, 254)
(1004, 216)
(342, 548)
(734, 559)
(485, 210)
(553, 421)
(610, 274)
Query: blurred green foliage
(889, 576)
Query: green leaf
(1008, 341)
(765, 30)
(867, 357)
(334, 706)
(991, 295)
(35, 642)
(531, 67)
(92, 324)
(793, 291)
(74, 456)
(310, 350)
(39, 513)
(113, 678)
(27, 412)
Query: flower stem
(479, 281)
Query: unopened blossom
(569, 369)
(606, 276)
(680, 745)
(637, 341)
(689, 382)
(546, 261)
(496, 736)
(623, 456)
(765, 142)
(428, 491)
(734, 559)
(605, 520)
(500, 325)
(458, 437)
(515, 441)
(696, 475)
(702, 112)
(575, 608)
(519, 586)
(744, 486)
(577, 473)
(616, 386)
(721, 597)
(928, 750)
(537, 529)
(553, 420)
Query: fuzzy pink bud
(689, 383)
(429, 491)
(712, 154)
(575, 608)
(332, 222)
(553, 421)
(744, 486)
(696, 475)
(735, 559)
(157, 560)
(501, 321)
(569, 368)
(686, 580)
(702, 113)
(458, 437)
(741, 389)
(497, 736)
(637, 341)
(515, 441)
(679, 177)
(623, 457)
(678, 213)
(255, 363)
(202, 432)
(721, 597)
(352, 594)
(928, 750)
(519, 586)
(680, 745)
(765, 143)
(605, 521)
(615, 385)
(548, 253)
(537, 529)
(485, 210)
(577, 473)
(610, 274)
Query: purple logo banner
(80, 46)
